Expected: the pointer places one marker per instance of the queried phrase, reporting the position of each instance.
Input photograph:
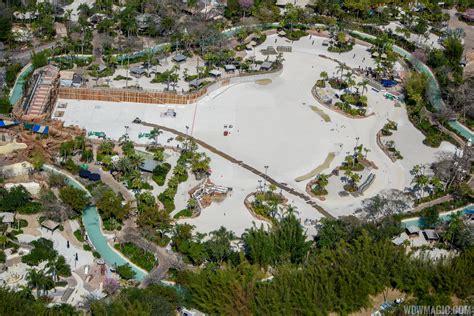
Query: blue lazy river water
(444, 217)
(92, 224)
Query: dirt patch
(321, 113)
(318, 169)
(11, 147)
(263, 82)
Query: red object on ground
(226, 133)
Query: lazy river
(92, 224)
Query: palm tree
(34, 280)
(80, 143)
(349, 160)
(437, 184)
(135, 178)
(155, 132)
(40, 281)
(364, 86)
(124, 165)
(107, 147)
(340, 69)
(136, 160)
(180, 171)
(324, 75)
(323, 180)
(3, 240)
(66, 149)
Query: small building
(266, 65)
(413, 230)
(77, 81)
(149, 165)
(196, 83)
(215, 73)
(50, 225)
(179, 58)
(137, 72)
(282, 33)
(65, 78)
(230, 68)
(431, 235)
(7, 218)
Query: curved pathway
(261, 174)
(166, 259)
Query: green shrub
(160, 173)
(43, 250)
(167, 201)
(111, 224)
(87, 247)
(79, 236)
(125, 271)
(184, 213)
(30, 208)
(321, 83)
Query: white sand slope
(274, 125)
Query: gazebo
(179, 58)
(266, 65)
(50, 225)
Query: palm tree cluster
(424, 183)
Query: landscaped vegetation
(319, 185)
(350, 256)
(142, 258)
(267, 202)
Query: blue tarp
(83, 173)
(388, 83)
(7, 123)
(94, 177)
(40, 129)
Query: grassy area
(142, 258)
(318, 169)
(184, 213)
(326, 118)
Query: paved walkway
(261, 174)
(437, 201)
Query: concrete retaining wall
(156, 97)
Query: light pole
(260, 184)
(357, 141)
(186, 140)
(265, 183)
(126, 131)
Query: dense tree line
(348, 262)
(24, 303)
